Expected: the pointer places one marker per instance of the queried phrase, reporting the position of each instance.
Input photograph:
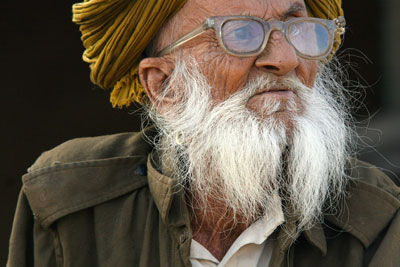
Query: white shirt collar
(249, 246)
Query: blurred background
(47, 97)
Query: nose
(279, 57)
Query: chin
(282, 113)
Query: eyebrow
(294, 8)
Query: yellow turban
(115, 34)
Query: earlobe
(152, 73)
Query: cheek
(307, 71)
(226, 74)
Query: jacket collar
(168, 196)
(85, 172)
(66, 188)
(316, 237)
(364, 213)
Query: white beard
(235, 156)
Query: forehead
(265, 9)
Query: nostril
(271, 68)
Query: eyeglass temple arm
(187, 37)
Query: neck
(214, 226)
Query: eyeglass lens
(246, 36)
(243, 36)
(309, 38)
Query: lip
(283, 92)
(277, 94)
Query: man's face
(216, 101)
(228, 74)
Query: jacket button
(141, 170)
(183, 237)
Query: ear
(153, 72)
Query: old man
(248, 158)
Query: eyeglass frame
(335, 26)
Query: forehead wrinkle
(265, 8)
(221, 8)
(270, 11)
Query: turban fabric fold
(115, 34)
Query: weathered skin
(227, 74)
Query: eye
(240, 30)
(242, 36)
(242, 33)
(294, 30)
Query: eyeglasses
(245, 36)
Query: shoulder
(367, 175)
(85, 172)
(95, 148)
(371, 203)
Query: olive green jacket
(98, 202)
